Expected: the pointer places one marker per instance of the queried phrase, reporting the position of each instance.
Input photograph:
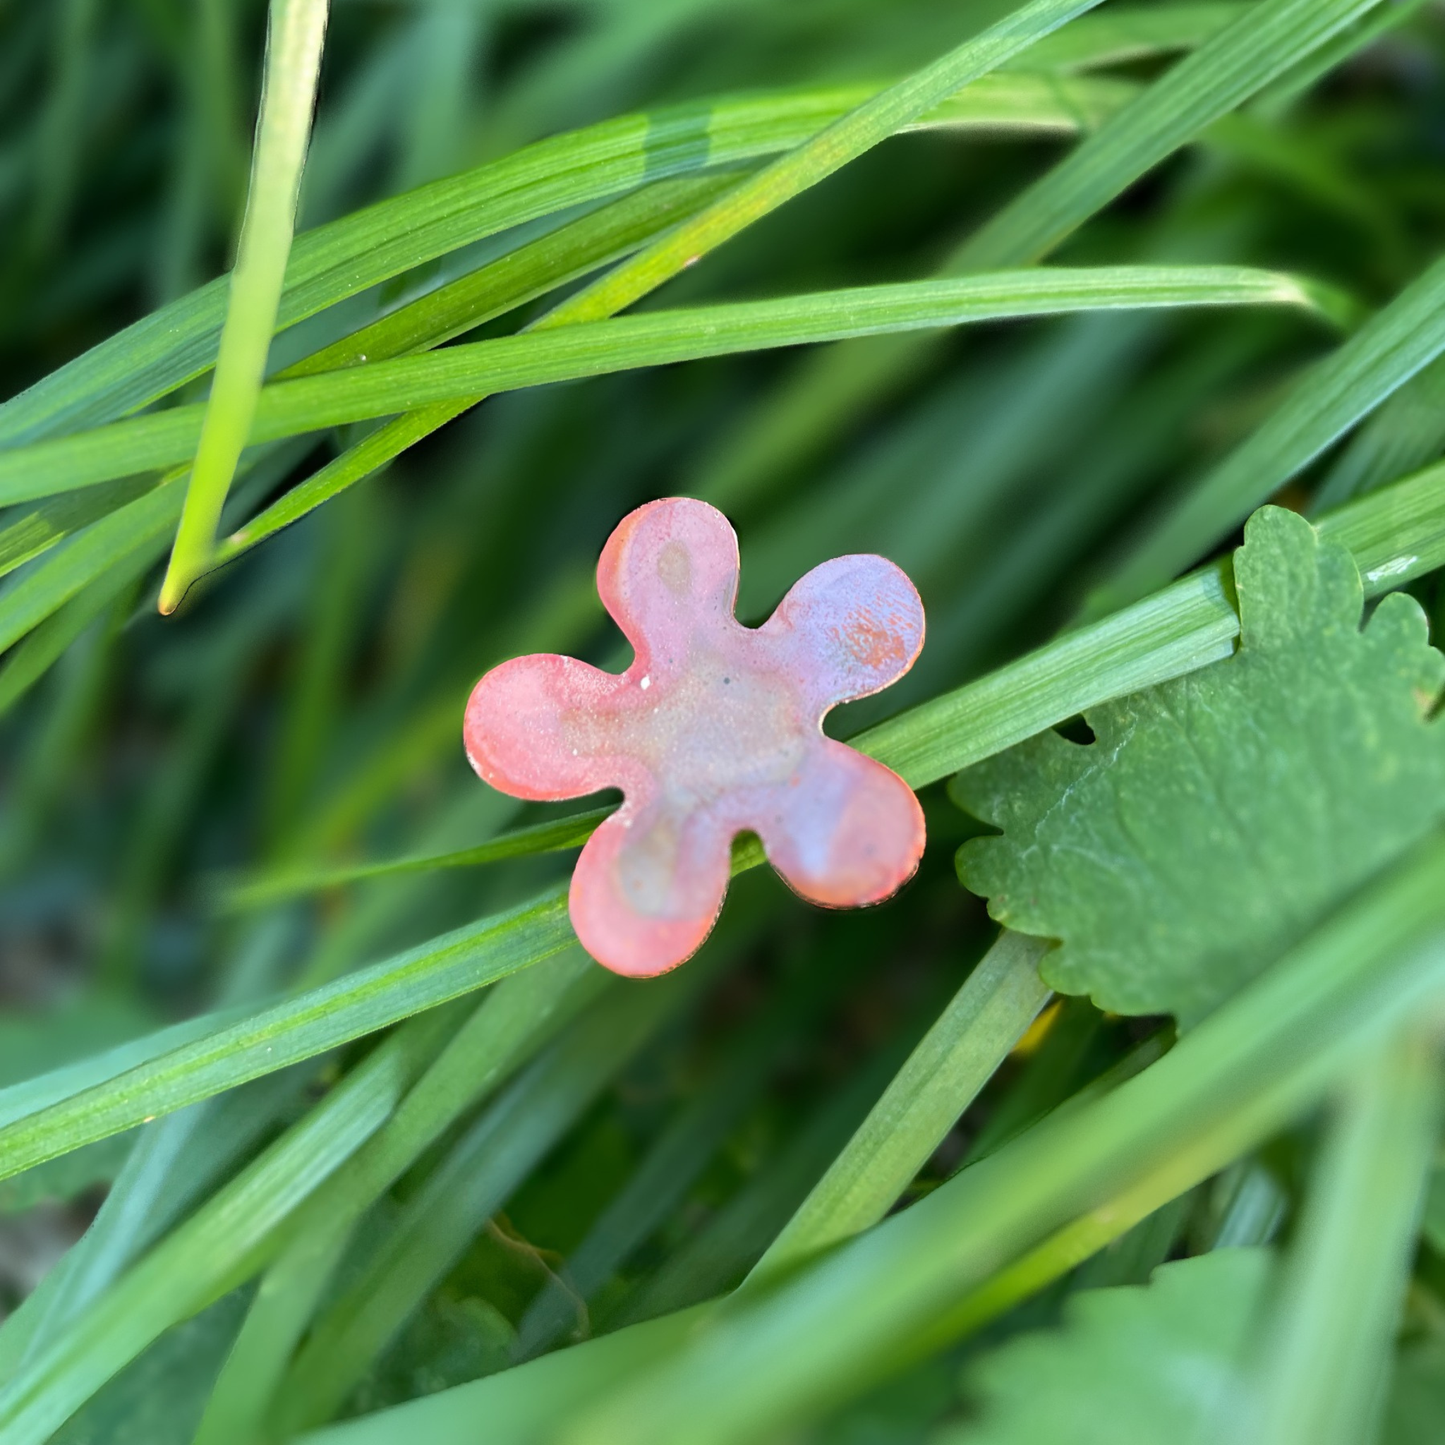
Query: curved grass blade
(1395, 534)
(39, 528)
(827, 152)
(288, 95)
(525, 1405)
(1236, 63)
(571, 352)
(473, 1181)
(522, 275)
(995, 100)
(129, 535)
(509, 1025)
(44, 646)
(1123, 35)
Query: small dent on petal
(674, 566)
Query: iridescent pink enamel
(714, 729)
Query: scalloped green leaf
(1162, 1361)
(1216, 817)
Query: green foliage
(1166, 1360)
(311, 1116)
(1190, 842)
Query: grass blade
(956, 1058)
(1333, 1335)
(827, 152)
(181, 1276)
(571, 352)
(468, 1187)
(288, 95)
(155, 355)
(1221, 75)
(362, 1002)
(552, 837)
(1380, 358)
(1265, 42)
(1241, 1074)
(509, 1025)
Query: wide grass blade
(508, 1026)
(1324, 1367)
(368, 999)
(470, 1184)
(956, 1058)
(570, 352)
(827, 152)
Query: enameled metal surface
(715, 728)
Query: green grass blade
(1127, 34)
(1404, 434)
(195, 1265)
(522, 1406)
(571, 352)
(469, 1186)
(1325, 1366)
(367, 456)
(39, 528)
(1020, 102)
(134, 531)
(1242, 1073)
(1184, 627)
(551, 837)
(162, 351)
(528, 272)
(1330, 398)
(48, 642)
(509, 1025)
(285, 1300)
(736, 1237)
(288, 96)
(680, 1153)
(1395, 534)
(371, 998)
(1233, 66)
(956, 1058)
(827, 152)
(1221, 75)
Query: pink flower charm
(714, 729)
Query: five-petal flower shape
(714, 729)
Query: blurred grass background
(303, 709)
